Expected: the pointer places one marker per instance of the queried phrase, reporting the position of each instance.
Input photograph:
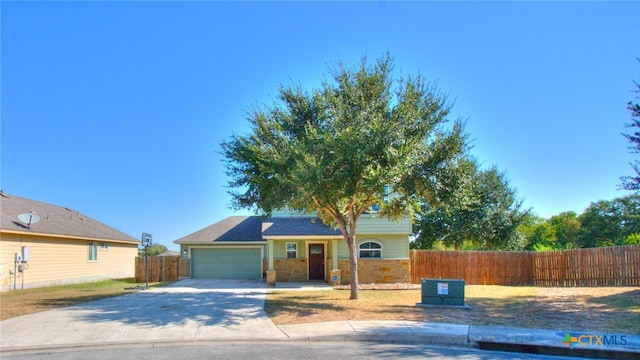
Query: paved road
(289, 349)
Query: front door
(316, 262)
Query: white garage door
(226, 263)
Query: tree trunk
(353, 265)
(348, 228)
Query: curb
(380, 337)
(558, 351)
(390, 338)
(548, 342)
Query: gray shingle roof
(54, 220)
(254, 228)
(297, 226)
(231, 229)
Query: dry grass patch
(28, 301)
(610, 309)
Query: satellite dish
(29, 218)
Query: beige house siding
(367, 223)
(58, 260)
(280, 249)
(393, 246)
(374, 224)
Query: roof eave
(62, 236)
(220, 242)
(303, 237)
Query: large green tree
(609, 222)
(538, 233)
(603, 223)
(567, 230)
(447, 212)
(500, 213)
(559, 232)
(340, 149)
(153, 250)
(632, 182)
(478, 206)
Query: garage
(226, 263)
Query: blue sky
(117, 109)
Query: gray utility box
(443, 292)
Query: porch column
(334, 254)
(334, 274)
(270, 252)
(271, 274)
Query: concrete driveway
(185, 311)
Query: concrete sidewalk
(196, 311)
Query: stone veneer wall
(378, 271)
(290, 269)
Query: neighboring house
(296, 248)
(64, 246)
(169, 253)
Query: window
(292, 250)
(93, 251)
(370, 249)
(104, 246)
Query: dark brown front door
(316, 262)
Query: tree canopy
(602, 223)
(364, 138)
(479, 206)
(153, 250)
(632, 182)
(608, 223)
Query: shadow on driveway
(186, 310)
(206, 302)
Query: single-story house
(292, 248)
(62, 247)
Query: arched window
(370, 249)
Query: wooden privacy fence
(161, 268)
(475, 267)
(611, 266)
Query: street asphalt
(209, 310)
